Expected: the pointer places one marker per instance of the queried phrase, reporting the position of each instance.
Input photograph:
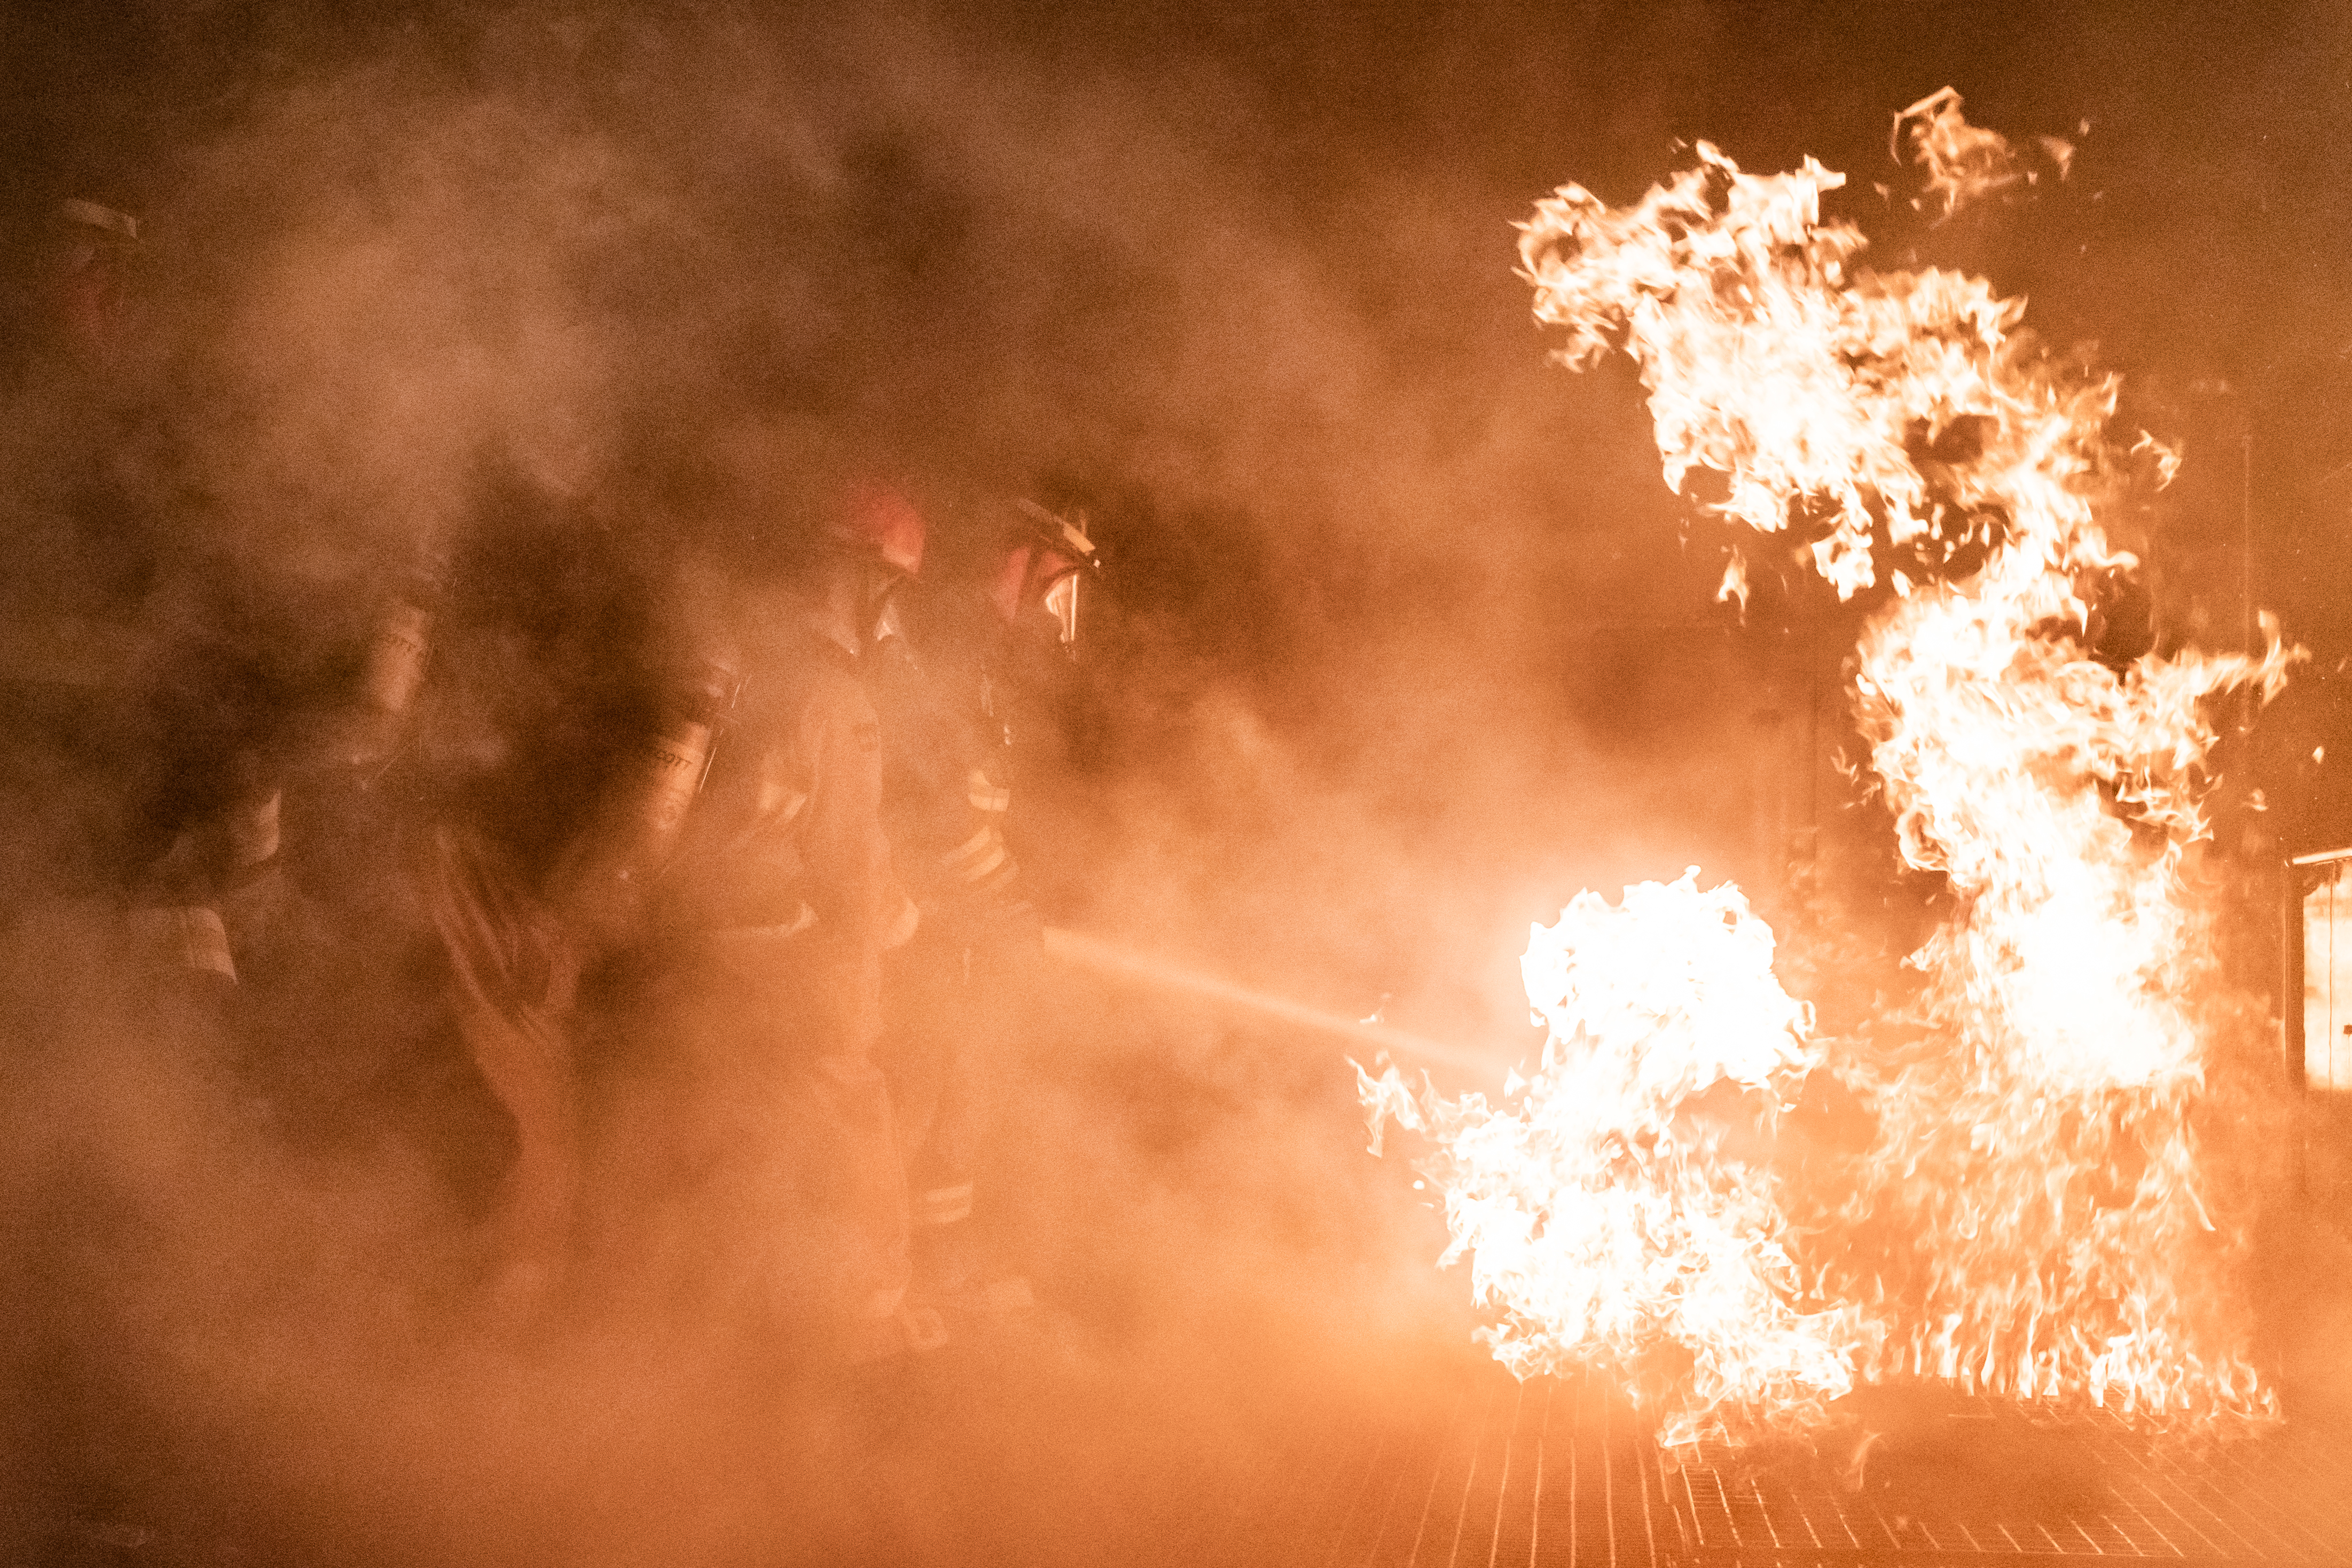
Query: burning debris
(1961, 163)
(2030, 1217)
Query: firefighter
(1026, 659)
(929, 763)
(517, 945)
(536, 869)
(312, 812)
(748, 1103)
(947, 714)
(137, 697)
(81, 566)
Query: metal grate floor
(1556, 1473)
(2284, 1498)
(1546, 1474)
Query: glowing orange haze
(2033, 1159)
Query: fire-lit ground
(1552, 1472)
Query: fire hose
(1105, 958)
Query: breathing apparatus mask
(882, 530)
(1053, 557)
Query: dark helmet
(91, 249)
(96, 224)
(1062, 533)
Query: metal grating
(1546, 1474)
(2286, 1498)
(1557, 1473)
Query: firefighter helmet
(880, 523)
(1063, 533)
(92, 248)
(880, 536)
(94, 222)
(1045, 555)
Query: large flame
(2030, 1218)
(1616, 1207)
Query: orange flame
(1962, 163)
(1616, 1206)
(2030, 1220)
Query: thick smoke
(561, 311)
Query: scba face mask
(1062, 604)
(879, 595)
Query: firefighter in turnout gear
(519, 947)
(78, 654)
(748, 1103)
(947, 787)
(135, 692)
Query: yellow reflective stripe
(186, 936)
(985, 793)
(998, 857)
(944, 1205)
(976, 845)
(803, 918)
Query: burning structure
(2028, 1213)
